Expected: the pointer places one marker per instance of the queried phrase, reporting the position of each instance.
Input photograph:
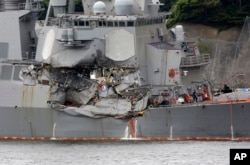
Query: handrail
(28, 56)
(33, 6)
(198, 60)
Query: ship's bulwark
(204, 122)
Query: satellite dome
(99, 8)
(123, 7)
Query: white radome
(123, 7)
(99, 8)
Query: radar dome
(179, 33)
(99, 8)
(123, 7)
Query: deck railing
(192, 61)
(28, 56)
(33, 6)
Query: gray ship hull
(35, 123)
(204, 122)
(71, 77)
(192, 122)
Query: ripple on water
(117, 152)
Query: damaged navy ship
(111, 72)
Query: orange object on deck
(187, 98)
(172, 100)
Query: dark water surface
(117, 152)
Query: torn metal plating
(91, 91)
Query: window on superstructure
(76, 23)
(130, 23)
(116, 24)
(104, 23)
(122, 24)
(4, 47)
(81, 23)
(100, 23)
(16, 73)
(86, 23)
(110, 23)
(6, 72)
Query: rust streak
(32, 95)
(131, 125)
(23, 96)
